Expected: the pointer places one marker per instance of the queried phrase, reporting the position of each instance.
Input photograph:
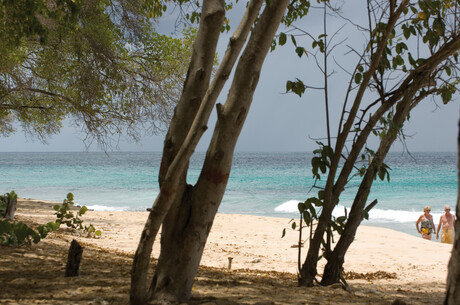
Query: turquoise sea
(267, 184)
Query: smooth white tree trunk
(186, 212)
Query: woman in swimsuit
(427, 226)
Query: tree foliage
(30, 19)
(103, 66)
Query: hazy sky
(281, 122)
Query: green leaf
(296, 87)
(313, 211)
(406, 31)
(282, 39)
(365, 214)
(315, 201)
(381, 173)
(337, 227)
(400, 47)
(293, 40)
(289, 85)
(5, 227)
(300, 51)
(321, 195)
(307, 218)
(322, 167)
(83, 210)
(301, 207)
(358, 78)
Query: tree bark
(174, 193)
(187, 225)
(453, 275)
(173, 168)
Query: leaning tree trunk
(176, 152)
(186, 228)
(453, 276)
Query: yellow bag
(426, 230)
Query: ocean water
(267, 184)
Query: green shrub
(64, 215)
(17, 233)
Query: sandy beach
(383, 264)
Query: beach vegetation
(17, 233)
(65, 215)
(410, 56)
(98, 65)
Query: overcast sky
(279, 122)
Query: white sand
(255, 242)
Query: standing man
(446, 221)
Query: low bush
(17, 233)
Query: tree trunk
(11, 201)
(187, 225)
(335, 260)
(407, 92)
(73, 259)
(308, 272)
(331, 192)
(334, 266)
(177, 150)
(453, 276)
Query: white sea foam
(377, 215)
(106, 208)
(288, 207)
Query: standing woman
(427, 226)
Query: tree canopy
(100, 64)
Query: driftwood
(74, 259)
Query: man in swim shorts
(446, 221)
